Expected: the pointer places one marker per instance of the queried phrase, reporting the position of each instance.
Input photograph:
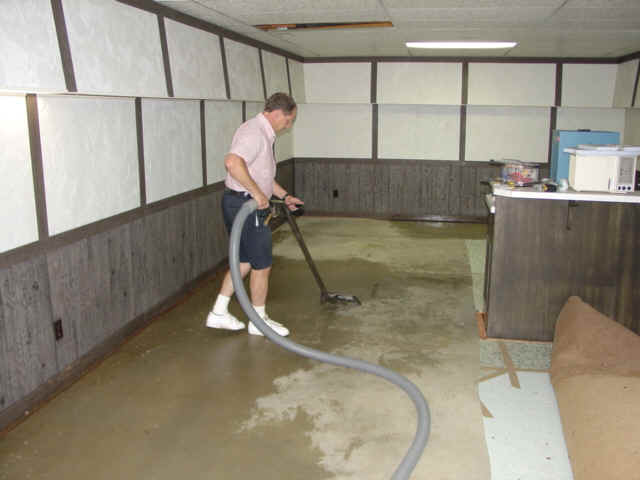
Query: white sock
(261, 310)
(222, 305)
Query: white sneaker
(225, 321)
(275, 326)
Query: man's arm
(289, 200)
(237, 167)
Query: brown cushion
(586, 341)
(601, 424)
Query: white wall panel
(115, 48)
(196, 62)
(90, 158)
(608, 119)
(625, 80)
(632, 128)
(512, 84)
(275, 73)
(172, 147)
(419, 132)
(507, 132)
(337, 82)
(296, 71)
(245, 77)
(221, 121)
(588, 85)
(427, 83)
(253, 108)
(336, 131)
(29, 47)
(17, 200)
(284, 146)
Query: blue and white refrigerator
(572, 138)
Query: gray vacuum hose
(424, 421)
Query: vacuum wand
(325, 295)
(408, 463)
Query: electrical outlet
(57, 329)
(335, 194)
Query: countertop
(570, 194)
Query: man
(251, 171)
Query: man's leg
(227, 284)
(259, 283)
(220, 317)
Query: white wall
(90, 158)
(333, 130)
(512, 84)
(625, 81)
(172, 147)
(608, 119)
(507, 132)
(296, 71)
(221, 121)
(419, 132)
(29, 47)
(245, 76)
(275, 73)
(196, 62)
(588, 85)
(17, 200)
(632, 128)
(115, 48)
(337, 82)
(419, 83)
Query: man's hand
(291, 202)
(261, 200)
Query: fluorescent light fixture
(461, 45)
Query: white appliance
(606, 168)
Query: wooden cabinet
(540, 252)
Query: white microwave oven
(603, 171)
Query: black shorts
(255, 241)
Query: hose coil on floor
(408, 463)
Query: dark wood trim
(553, 120)
(461, 59)
(152, 7)
(374, 82)
(635, 86)
(22, 253)
(16, 413)
(203, 143)
(401, 218)
(374, 131)
(140, 139)
(464, 96)
(462, 149)
(558, 99)
(264, 78)
(165, 55)
(63, 45)
(286, 61)
(35, 146)
(244, 111)
(631, 56)
(394, 161)
(225, 69)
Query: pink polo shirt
(253, 142)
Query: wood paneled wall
(419, 189)
(102, 287)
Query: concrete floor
(182, 401)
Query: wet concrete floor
(183, 401)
